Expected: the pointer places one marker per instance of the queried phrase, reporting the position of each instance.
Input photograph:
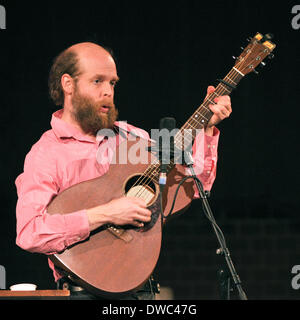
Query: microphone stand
(228, 273)
(166, 152)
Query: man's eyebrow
(98, 75)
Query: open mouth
(104, 109)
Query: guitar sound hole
(141, 187)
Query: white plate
(23, 287)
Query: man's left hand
(222, 109)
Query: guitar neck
(202, 115)
(199, 120)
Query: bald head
(86, 48)
(92, 56)
(75, 60)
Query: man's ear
(67, 83)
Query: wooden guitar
(116, 260)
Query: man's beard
(88, 115)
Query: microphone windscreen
(167, 123)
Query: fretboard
(199, 119)
(202, 115)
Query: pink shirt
(63, 157)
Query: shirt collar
(63, 129)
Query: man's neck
(67, 117)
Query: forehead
(97, 62)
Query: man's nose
(107, 89)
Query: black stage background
(167, 55)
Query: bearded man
(82, 80)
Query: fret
(224, 88)
(189, 125)
(234, 74)
(184, 138)
(189, 131)
(235, 69)
(201, 113)
(212, 102)
(228, 79)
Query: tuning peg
(269, 36)
(242, 48)
(233, 57)
(263, 64)
(255, 71)
(249, 39)
(271, 56)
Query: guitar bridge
(120, 233)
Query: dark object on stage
(117, 260)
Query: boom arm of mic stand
(223, 248)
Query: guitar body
(114, 261)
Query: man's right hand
(121, 211)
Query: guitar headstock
(256, 51)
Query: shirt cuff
(214, 138)
(77, 227)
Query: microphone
(166, 148)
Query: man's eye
(96, 81)
(113, 83)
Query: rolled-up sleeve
(38, 231)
